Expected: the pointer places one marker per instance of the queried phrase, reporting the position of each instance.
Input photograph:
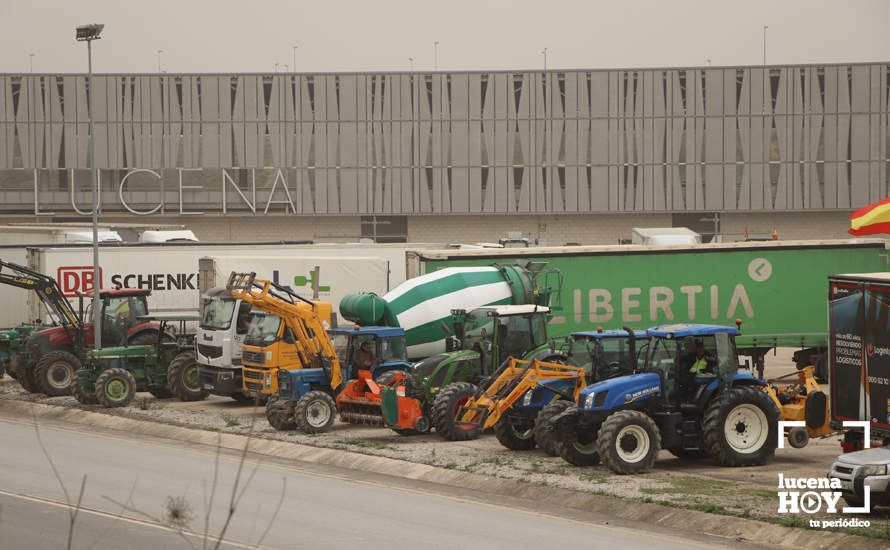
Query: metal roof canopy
(683, 330)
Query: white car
(856, 470)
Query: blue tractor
(687, 396)
(306, 400)
(602, 354)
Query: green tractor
(165, 368)
(12, 341)
(484, 338)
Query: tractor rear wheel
(280, 414)
(315, 412)
(447, 406)
(115, 387)
(182, 377)
(25, 378)
(628, 442)
(56, 372)
(515, 436)
(543, 433)
(386, 378)
(740, 427)
(84, 396)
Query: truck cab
(224, 325)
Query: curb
(738, 529)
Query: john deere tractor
(687, 397)
(12, 341)
(484, 339)
(166, 367)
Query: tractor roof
(521, 309)
(682, 330)
(602, 334)
(382, 332)
(122, 292)
(171, 316)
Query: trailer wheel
(740, 427)
(543, 433)
(446, 407)
(56, 372)
(280, 414)
(515, 436)
(315, 412)
(84, 396)
(182, 377)
(115, 387)
(628, 442)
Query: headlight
(588, 401)
(527, 398)
(873, 470)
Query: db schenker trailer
(776, 288)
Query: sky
(381, 35)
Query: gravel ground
(698, 484)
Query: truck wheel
(740, 427)
(516, 437)
(84, 396)
(56, 372)
(543, 433)
(280, 414)
(446, 407)
(314, 413)
(580, 453)
(182, 377)
(115, 387)
(628, 442)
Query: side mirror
(288, 337)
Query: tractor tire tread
(280, 414)
(606, 439)
(544, 436)
(41, 372)
(443, 412)
(174, 377)
(713, 437)
(301, 414)
(104, 378)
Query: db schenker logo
(75, 280)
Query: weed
(451, 466)
(230, 420)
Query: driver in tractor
(363, 358)
(697, 361)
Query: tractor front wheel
(582, 452)
(25, 378)
(628, 442)
(446, 409)
(182, 377)
(315, 412)
(115, 387)
(56, 372)
(740, 427)
(543, 432)
(280, 414)
(84, 396)
(515, 436)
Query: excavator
(51, 357)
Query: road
(129, 479)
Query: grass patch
(691, 486)
(230, 420)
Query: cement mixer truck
(423, 305)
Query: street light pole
(436, 55)
(295, 58)
(764, 45)
(88, 33)
(544, 52)
(276, 67)
(159, 59)
(31, 62)
(411, 60)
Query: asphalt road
(129, 480)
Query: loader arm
(314, 345)
(515, 379)
(46, 288)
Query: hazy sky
(357, 35)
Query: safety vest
(699, 366)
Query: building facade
(563, 156)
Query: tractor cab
(500, 332)
(690, 358)
(121, 312)
(386, 347)
(603, 353)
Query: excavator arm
(46, 288)
(298, 313)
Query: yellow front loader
(515, 395)
(802, 400)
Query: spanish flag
(871, 220)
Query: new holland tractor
(167, 367)
(687, 397)
(484, 339)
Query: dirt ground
(697, 484)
